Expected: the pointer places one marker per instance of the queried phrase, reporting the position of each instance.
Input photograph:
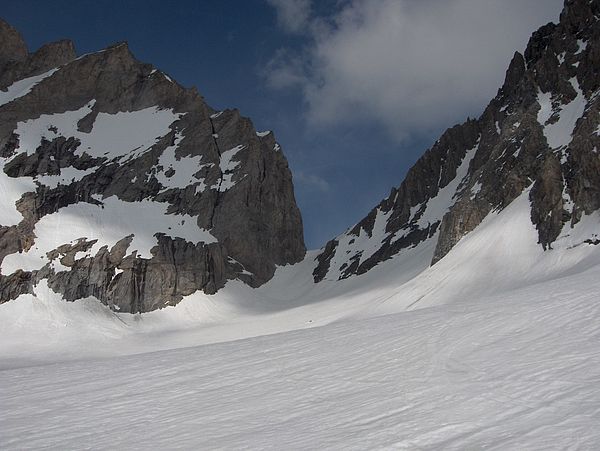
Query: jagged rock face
(541, 133)
(122, 185)
(13, 47)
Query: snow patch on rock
(23, 87)
(123, 134)
(439, 205)
(228, 166)
(559, 133)
(107, 223)
(11, 190)
(182, 169)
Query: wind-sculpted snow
(515, 371)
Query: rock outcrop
(541, 133)
(120, 184)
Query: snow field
(500, 256)
(517, 371)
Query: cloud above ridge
(292, 15)
(412, 66)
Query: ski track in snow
(502, 352)
(519, 371)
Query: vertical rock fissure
(218, 191)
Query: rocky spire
(13, 46)
(539, 133)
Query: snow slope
(517, 371)
(495, 346)
(498, 257)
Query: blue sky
(355, 91)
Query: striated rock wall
(83, 138)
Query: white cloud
(311, 181)
(414, 66)
(292, 15)
(285, 70)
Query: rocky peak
(128, 187)
(18, 63)
(540, 133)
(13, 46)
(52, 55)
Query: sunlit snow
(183, 169)
(11, 190)
(107, 223)
(504, 357)
(22, 87)
(446, 196)
(67, 176)
(360, 247)
(228, 166)
(113, 135)
(559, 133)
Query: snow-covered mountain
(540, 134)
(507, 201)
(461, 313)
(120, 184)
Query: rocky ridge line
(539, 132)
(198, 168)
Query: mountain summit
(123, 186)
(120, 184)
(540, 133)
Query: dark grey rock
(13, 46)
(512, 154)
(256, 221)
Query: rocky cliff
(540, 133)
(120, 184)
